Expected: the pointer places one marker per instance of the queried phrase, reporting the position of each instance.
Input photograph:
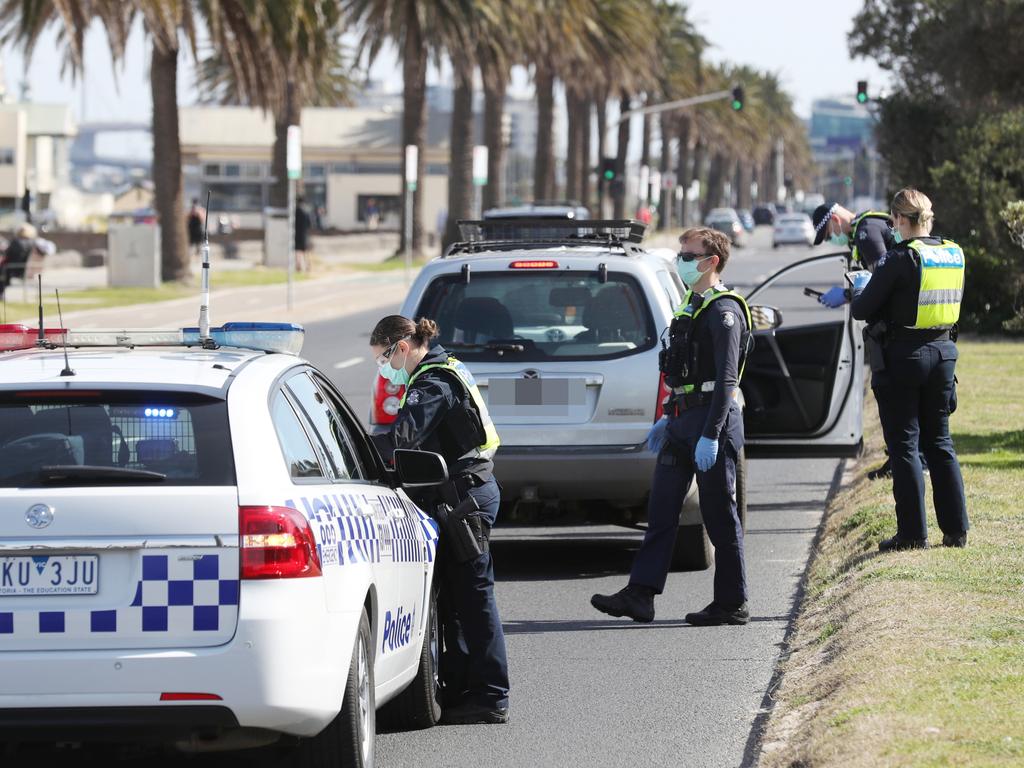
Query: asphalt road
(590, 690)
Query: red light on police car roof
(17, 336)
(533, 265)
(174, 696)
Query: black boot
(633, 601)
(715, 615)
(896, 544)
(955, 541)
(885, 470)
(471, 713)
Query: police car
(560, 322)
(199, 546)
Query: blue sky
(804, 41)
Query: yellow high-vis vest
(854, 254)
(686, 310)
(462, 373)
(942, 283)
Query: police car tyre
(350, 739)
(419, 705)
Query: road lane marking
(348, 363)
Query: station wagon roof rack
(533, 232)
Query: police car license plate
(34, 575)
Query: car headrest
(483, 318)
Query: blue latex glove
(834, 297)
(706, 454)
(656, 436)
(859, 280)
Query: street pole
(411, 177)
(293, 164)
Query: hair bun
(426, 329)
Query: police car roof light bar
(533, 229)
(286, 338)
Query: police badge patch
(728, 319)
(414, 397)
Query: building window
(317, 171)
(232, 170)
(236, 197)
(388, 209)
(211, 169)
(6, 156)
(252, 170)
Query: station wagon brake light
(387, 400)
(276, 543)
(533, 265)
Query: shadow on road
(538, 560)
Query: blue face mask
(688, 271)
(397, 376)
(842, 240)
(897, 236)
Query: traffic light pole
(668, 106)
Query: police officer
(868, 235)
(442, 411)
(912, 304)
(702, 434)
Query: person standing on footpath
(912, 304)
(194, 223)
(702, 434)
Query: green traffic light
(862, 98)
(737, 104)
(609, 175)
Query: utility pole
(411, 177)
(293, 164)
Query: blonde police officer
(442, 411)
(912, 304)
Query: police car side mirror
(420, 469)
(765, 318)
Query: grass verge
(917, 658)
(101, 298)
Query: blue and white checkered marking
(181, 599)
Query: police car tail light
(17, 336)
(387, 400)
(276, 543)
(663, 392)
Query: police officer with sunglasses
(702, 435)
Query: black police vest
(684, 361)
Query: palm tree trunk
(743, 179)
(414, 119)
(700, 153)
(716, 183)
(586, 108)
(683, 173)
(163, 80)
(602, 149)
(619, 188)
(495, 85)
(291, 114)
(665, 193)
(460, 161)
(574, 166)
(544, 161)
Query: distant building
(842, 140)
(34, 146)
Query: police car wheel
(349, 739)
(419, 705)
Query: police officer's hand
(706, 454)
(656, 435)
(834, 297)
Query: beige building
(35, 141)
(351, 159)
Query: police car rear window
(542, 315)
(112, 438)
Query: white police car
(199, 546)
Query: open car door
(804, 381)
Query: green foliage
(954, 129)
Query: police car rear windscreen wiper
(83, 473)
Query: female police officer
(443, 412)
(912, 304)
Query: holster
(875, 339)
(464, 532)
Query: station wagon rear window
(539, 315)
(113, 438)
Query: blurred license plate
(535, 397)
(49, 575)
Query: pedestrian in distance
(15, 257)
(442, 411)
(194, 222)
(912, 304)
(303, 225)
(702, 435)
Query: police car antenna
(204, 292)
(64, 338)
(41, 340)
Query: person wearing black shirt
(702, 435)
(911, 303)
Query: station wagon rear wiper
(63, 473)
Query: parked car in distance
(726, 221)
(746, 219)
(764, 214)
(793, 228)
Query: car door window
(342, 463)
(298, 451)
(350, 434)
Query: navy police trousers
(914, 395)
(475, 666)
(717, 487)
